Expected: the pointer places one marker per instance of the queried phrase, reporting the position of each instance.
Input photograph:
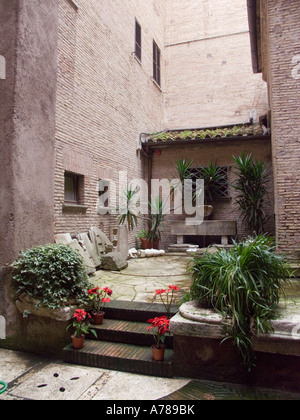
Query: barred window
(221, 184)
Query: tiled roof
(203, 134)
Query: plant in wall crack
(244, 285)
(251, 187)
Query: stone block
(90, 248)
(100, 241)
(114, 261)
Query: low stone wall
(199, 354)
(41, 332)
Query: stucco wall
(27, 122)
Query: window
(73, 188)
(156, 63)
(138, 41)
(220, 187)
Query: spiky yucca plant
(251, 187)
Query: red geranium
(81, 323)
(100, 297)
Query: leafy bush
(51, 275)
(244, 284)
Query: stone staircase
(122, 343)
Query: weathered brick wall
(284, 85)
(209, 78)
(202, 155)
(105, 98)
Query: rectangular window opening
(138, 41)
(73, 188)
(156, 64)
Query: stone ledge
(27, 304)
(194, 321)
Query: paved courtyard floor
(143, 276)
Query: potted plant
(213, 177)
(252, 188)
(82, 327)
(244, 285)
(159, 327)
(155, 221)
(100, 297)
(143, 236)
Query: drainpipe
(150, 163)
(252, 17)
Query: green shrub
(244, 284)
(251, 186)
(51, 275)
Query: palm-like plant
(155, 219)
(244, 284)
(184, 168)
(126, 210)
(251, 186)
(214, 181)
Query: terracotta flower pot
(78, 342)
(99, 318)
(158, 353)
(144, 243)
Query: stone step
(127, 332)
(120, 357)
(136, 311)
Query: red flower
(105, 300)
(107, 291)
(160, 292)
(172, 287)
(80, 315)
(162, 323)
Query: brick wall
(164, 168)
(209, 78)
(284, 84)
(105, 98)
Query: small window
(138, 41)
(73, 187)
(220, 189)
(156, 63)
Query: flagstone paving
(143, 276)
